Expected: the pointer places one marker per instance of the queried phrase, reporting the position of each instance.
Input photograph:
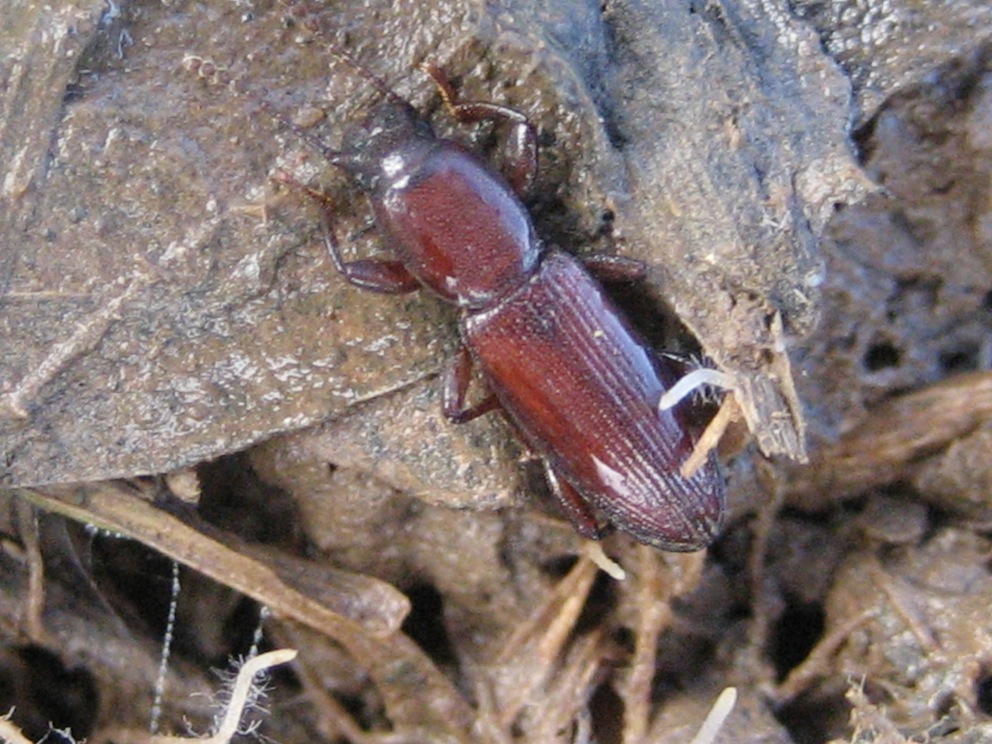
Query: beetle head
(377, 150)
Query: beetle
(579, 386)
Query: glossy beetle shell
(583, 391)
(580, 387)
(458, 227)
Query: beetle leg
(574, 506)
(520, 158)
(609, 269)
(454, 389)
(377, 275)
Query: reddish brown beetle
(561, 362)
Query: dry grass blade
(395, 663)
(891, 438)
(657, 584)
(818, 662)
(533, 652)
(655, 614)
(718, 714)
(112, 507)
(567, 697)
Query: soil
(191, 398)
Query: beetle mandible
(578, 385)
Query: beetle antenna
(306, 19)
(302, 15)
(334, 157)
